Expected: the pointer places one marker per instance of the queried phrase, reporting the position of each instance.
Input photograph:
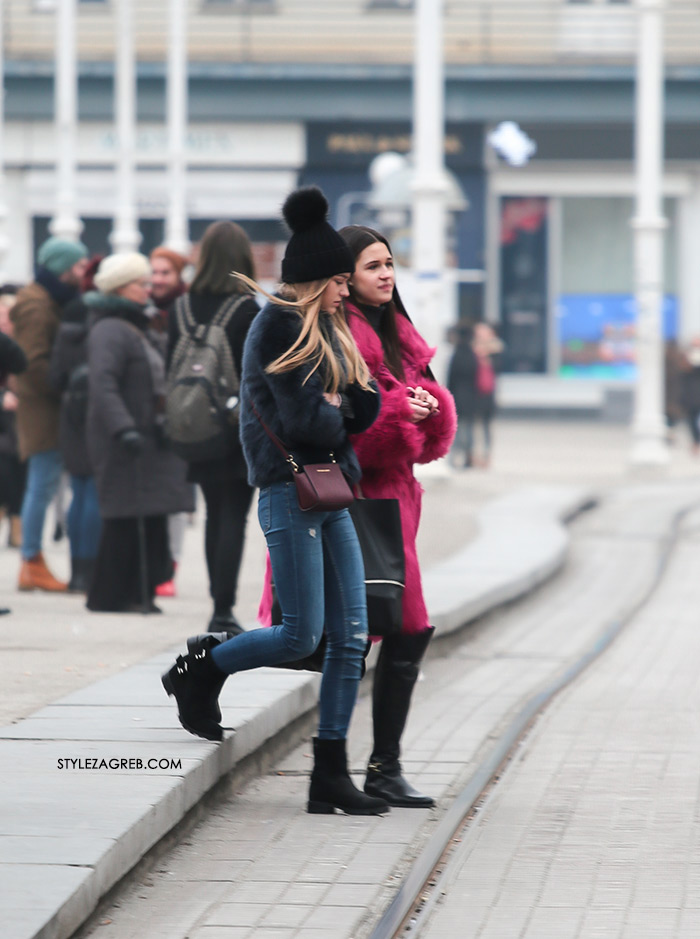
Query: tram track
(429, 876)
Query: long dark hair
(359, 237)
(225, 249)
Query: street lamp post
(649, 432)
(4, 238)
(429, 186)
(65, 222)
(125, 235)
(176, 234)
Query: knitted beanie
(178, 261)
(315, 250)
(117, 270)
(58, 254)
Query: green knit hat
(58, 255)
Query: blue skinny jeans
(319, 576)
(43, 477)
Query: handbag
(321, 487)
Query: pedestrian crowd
(143, 384)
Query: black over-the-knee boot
(331, 787)
(396, 673)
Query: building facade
(286, 91)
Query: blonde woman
(303, 375)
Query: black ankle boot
(225, 623)
(195, 645)
(78, 582)
(395, 676)
(190, 680)
(331, 787)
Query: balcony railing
(360, 32)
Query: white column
(176, 227)
(65, 222)
(649, 430)
(429, 187)
(4, 238)
(125, 235)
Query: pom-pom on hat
(118, 270)
(315, 250)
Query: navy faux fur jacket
(298, 413)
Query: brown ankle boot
(35, 575)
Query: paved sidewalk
(65, 850)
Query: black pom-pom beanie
(315, 250)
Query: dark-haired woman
(225, 248)
(305, 382)
(416, 424)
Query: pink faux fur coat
(390, 447)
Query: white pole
(4, 237)
(65, 222)
(176, 228)
(649, 430)
(429, 186)
(125, 236)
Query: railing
(360, 33)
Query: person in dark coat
(69, 376)
(471, 378)
(225, 248)
(12, 469)
(139, 481)
(690, 392)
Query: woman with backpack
(140, 481)
(216, 297)
(305, 382)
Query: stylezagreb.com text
(131, 763)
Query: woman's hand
(427, 401)
(9, 401)
(333, 399)
(419, 410)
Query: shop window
(524, 301)
(596, 311)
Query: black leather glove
(132, 442)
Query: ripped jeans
(319, 576)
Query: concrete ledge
(69, 833)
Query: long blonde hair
(311, 345)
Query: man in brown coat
(36, 318)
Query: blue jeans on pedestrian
(319, 577)
(84, 522)
(43, 477)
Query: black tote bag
(378, 526)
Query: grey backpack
(201, 398)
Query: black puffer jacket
(123, 397)
(293, 409)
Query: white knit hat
(117, 270)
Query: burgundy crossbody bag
(321, 487)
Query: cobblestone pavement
(593, 832)
(258, 867)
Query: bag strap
(185, 320)
(226, 310)
(276, 440)
(289, 458)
